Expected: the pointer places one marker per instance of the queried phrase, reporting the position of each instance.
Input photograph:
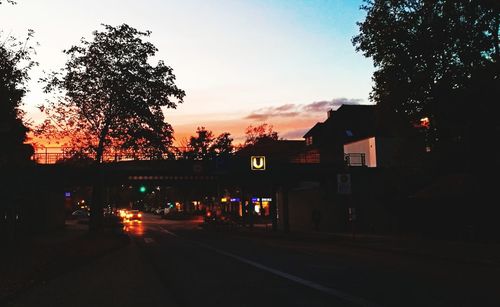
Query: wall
(366, 146)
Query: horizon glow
(241, 63)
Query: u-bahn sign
(258, 163)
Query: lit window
(309, 140)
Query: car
(134, 215)
(80, 214)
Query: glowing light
(425, 122)
(258, 163)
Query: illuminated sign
(67, 194)
(235, 199)
(223, 199)
(265, 199)
(258, 163)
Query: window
(309, 140)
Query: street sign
(344, 183)
(258, 163)
(351, 212)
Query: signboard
(258, 163)
(344, 183)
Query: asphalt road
(177, 263)
(219, 268)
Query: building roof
(347, 124)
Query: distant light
(235, 199)
(255, 199)
(142, 189)
(267, 199)
(67, 194)
(223, 199)
(425, 122)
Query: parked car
(80, 214)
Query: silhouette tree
(436, 59)
(15, 62)
(205, 146)
(110, 96)
(222, 146)
(259, 134)
(198, 147)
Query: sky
(241, 63)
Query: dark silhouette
(205, 147)
(316, 218)
(259, 134)
(437, 60)
(113, 98)
(15, 62)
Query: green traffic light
(142, 189)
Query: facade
(352, 143)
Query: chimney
(329, 113)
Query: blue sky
(240, 62)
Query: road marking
(149, 240)
(169, 232)
(334, 292)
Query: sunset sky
(281, 62)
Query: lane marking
(149, 240)
(310, 284)
(168, 232)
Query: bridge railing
(51, 155)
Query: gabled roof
(347, 124)
(314, 130)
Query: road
(178, 263)
(217, 268)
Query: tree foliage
(261, 133)
(204, 146)
(15, 63)
(437, 59)
(110, 96)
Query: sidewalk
(36, 259)
(117, 279)
(457, 251)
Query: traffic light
(142, 189)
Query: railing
(355, 159)
(51, 155)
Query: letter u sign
(257, 163)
